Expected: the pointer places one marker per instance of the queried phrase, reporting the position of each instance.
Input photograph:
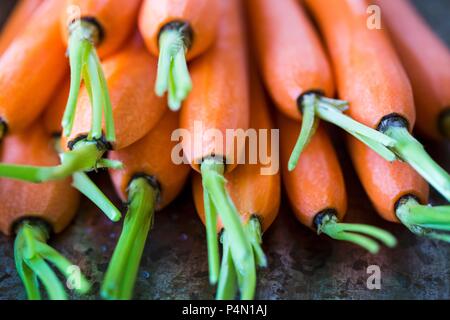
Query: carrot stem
(423, 220)
(173, 74)
(412, 151)
(31, 255)
(227, 285)
(214, 183)
(84, 157)
(212, 238)
(356, 233)
(85, 66)
(331, 110)
(306, 132)
(122, 270)
(86, 186)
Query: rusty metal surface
(301, 264)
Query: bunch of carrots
(121, 85)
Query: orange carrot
(177, 31)
(17, 21)
(88, 26)
(371, 77)
(317, 193)
(219, 102)
(297, 72)
(257, 199)
(149, 182)
(34, 211)
(424, 56)
(396, 192)
(31, 69)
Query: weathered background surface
(301, 264)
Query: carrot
(32, 212)
(90, 26)
(397, 192)
(54, 112)
(371, 77)
(219, 101)
(17, 21)
(149, 182)
(135, 108)
(257, 199)
(177, 31)
(296, 71)
(316, 190)
(31, 69)
(424, 57)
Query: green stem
(31, 255)
(173, 74)
(332, 111)
(246, 279)
(412, 151)
(330, 225)
(227, 286)
(86, 186)
(211, 237)
(423, 220)
(214, 184)
(83, 158)
(85, 66)
(121, 274)
(306, 132)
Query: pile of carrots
(90, 85)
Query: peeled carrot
(90, 26)
(397, 193)
(32, 212)
(135, 108)
(371, 77)
(296, 70)
(54, 112)
(149, 182)
(257, 199)
(219, 101)
(17, 21)
(426, 60)
(316, 190)
(31, 69)
(177, 31)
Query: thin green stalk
(307, 131)
(212, 238)
(83, 158)
(173, 74)
(122, 270)
(332, 111)
(86, 186)
(214, 183)
(412, 151)
(227, 286)
(32, 255)
(425, 221)
(86, 67)
(246, 278)
(355, 233)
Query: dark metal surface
(301, 264)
